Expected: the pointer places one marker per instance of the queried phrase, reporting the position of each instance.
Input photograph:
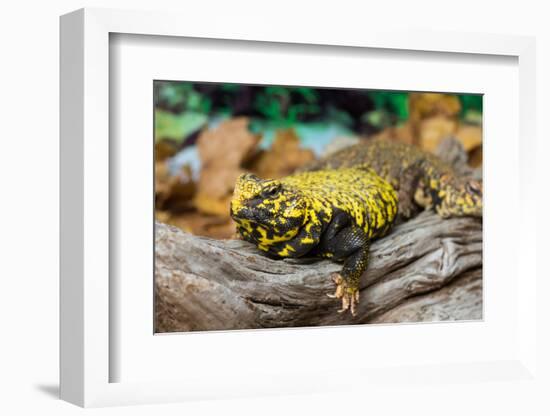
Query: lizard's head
(267, 211)
(460, 197)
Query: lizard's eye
(271, 191)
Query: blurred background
(207, 134)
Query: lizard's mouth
(239, 212)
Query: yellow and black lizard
(338, 205)
(420, 178)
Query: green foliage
(270, 103)
(181, 95)
(187, 105)
(471, 102)
(286, 105)
(471, 107)
(391, 103)
(390, 108)
(177, 126)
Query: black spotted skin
(327, 213)
(420, 178)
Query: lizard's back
(359, 192)
(421, 178)
(388, 159)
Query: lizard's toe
(339, 292)
(349, 296)
(350, 300)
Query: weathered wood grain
(205, 284)
(459, 300)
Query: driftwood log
(427, 269)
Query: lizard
(421, 179)
(332, 214)
(304, 214)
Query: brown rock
(403, 133)
(164, 149)
(222, 151)
(424, 105)
(173, 192)
(470, 136)
(284, 157)
(475, 157)
(211, 205)
(228, 145)
(433, 130)
(200, 224)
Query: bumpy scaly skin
(327, 213)
(419, 177)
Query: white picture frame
(86, 353)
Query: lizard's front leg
(352, 245)
(304, 242)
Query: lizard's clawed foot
(349, 295)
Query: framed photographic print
(303, 173)
(240, 214)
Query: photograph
(280, 206)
